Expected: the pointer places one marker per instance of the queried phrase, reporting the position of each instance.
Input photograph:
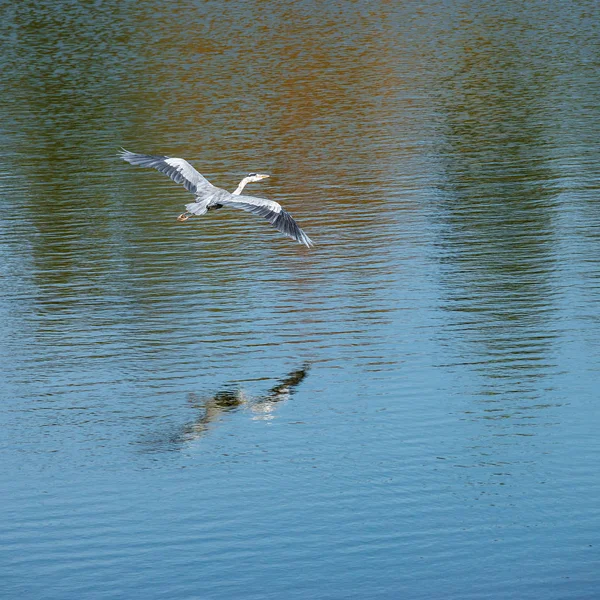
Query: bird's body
(209, 197)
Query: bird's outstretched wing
(272, 211)
(179, 170)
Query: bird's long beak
(262, 176)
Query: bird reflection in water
(228, 400)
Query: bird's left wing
(272, 211)
(178, 169)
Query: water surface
(208, 410)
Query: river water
(209, 410)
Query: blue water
(208, 410)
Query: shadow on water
(226, 400)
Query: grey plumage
(208, 196)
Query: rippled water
(208, 410)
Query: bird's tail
(197, 208)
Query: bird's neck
(240, 187)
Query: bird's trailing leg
(184, 216)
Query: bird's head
(251, 177)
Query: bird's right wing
(179, 170)
(270, 210)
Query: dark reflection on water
(227, 400)
(500, 204)
(498, 208)
(499, 215)
(444, 158)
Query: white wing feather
(272, 211)
(178, 169)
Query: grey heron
(209, 197)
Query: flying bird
(209, 197)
